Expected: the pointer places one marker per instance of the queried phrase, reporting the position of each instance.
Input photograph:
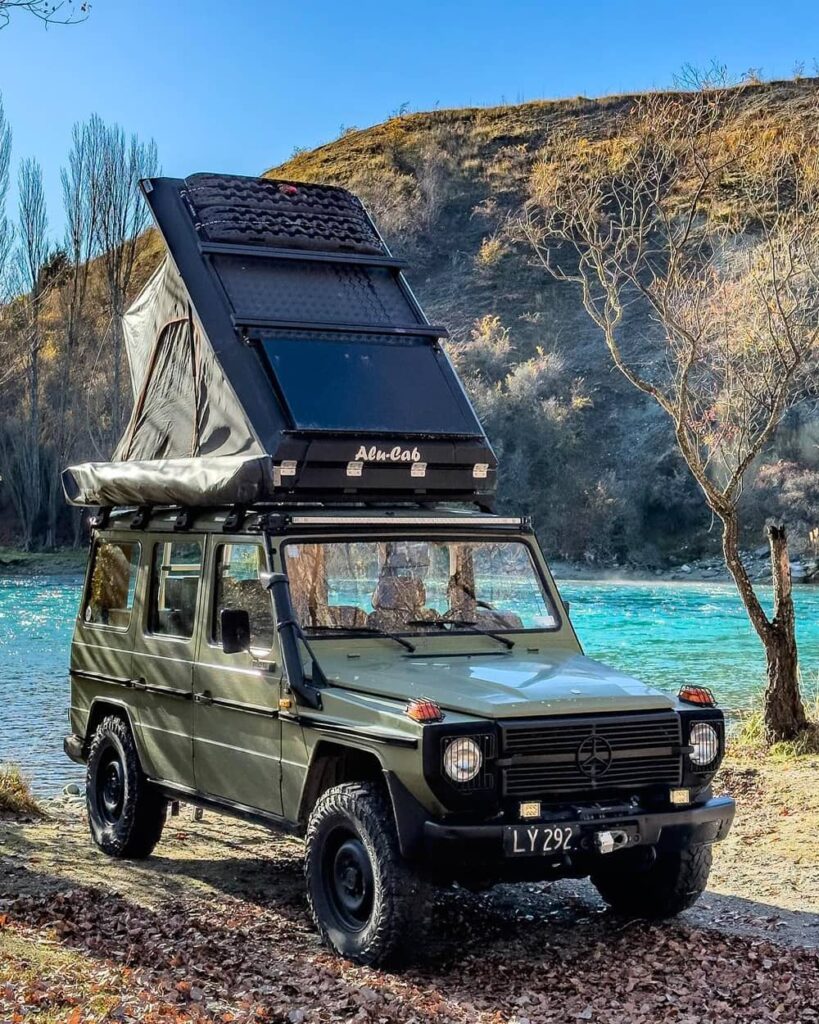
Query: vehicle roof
(291, 519)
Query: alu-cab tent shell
(278, 354)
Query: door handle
(203, 698)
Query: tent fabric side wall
(183, 405)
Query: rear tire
(125, 813)
(366, 901)
(638, 885)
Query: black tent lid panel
(318, 333)
(373, 384)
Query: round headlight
(462, 759)
(704, 738)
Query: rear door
(164, 654)
(101, 651)
(237, 744)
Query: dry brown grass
(15, 795)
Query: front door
(237, 732)
(163, 656)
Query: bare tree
(704, 224)
(695, 77)
(121, 218)
(81, 198)
(20, 442)
(6, 229)
(50, 12)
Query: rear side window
(111, 587)
(175, 573)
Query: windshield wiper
(372, 630)
(472, 627)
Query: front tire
(125, 814)
(653, 885)
(365, 900)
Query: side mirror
(235, 623)
(568, 606)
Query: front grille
(573, 756)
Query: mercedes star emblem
(594, 756)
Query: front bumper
(667, 830)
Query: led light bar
(388, 520)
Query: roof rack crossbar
(418, 330)
(305, 255)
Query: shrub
(490, 252)
(15, 795)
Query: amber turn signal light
(700, 695)
(424, 710)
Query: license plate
(537, 840)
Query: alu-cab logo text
(396, 454)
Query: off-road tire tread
(673, 883)
(140, 827)
(404, 900)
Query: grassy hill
(443, 187)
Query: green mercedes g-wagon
(301, 609)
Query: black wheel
(366, 901)
(125, 813)
(641, 883)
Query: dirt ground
(215, 927)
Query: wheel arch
(332, 763)
(102, 707)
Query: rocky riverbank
(65, 561)
(704, 570)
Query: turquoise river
(663, 633)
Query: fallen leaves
(235, 962)
(217, 930)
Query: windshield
(409, 586)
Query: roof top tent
(278, 354)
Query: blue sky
(235, 85)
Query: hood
(553, 683)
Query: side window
(175, 572)
(238, 586)
(111, 588)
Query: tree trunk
(784, 712)
(116, 399)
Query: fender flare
(116, 706)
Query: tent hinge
(141, 517)
(184, 519)
(234, 519)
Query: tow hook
(608, 842)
